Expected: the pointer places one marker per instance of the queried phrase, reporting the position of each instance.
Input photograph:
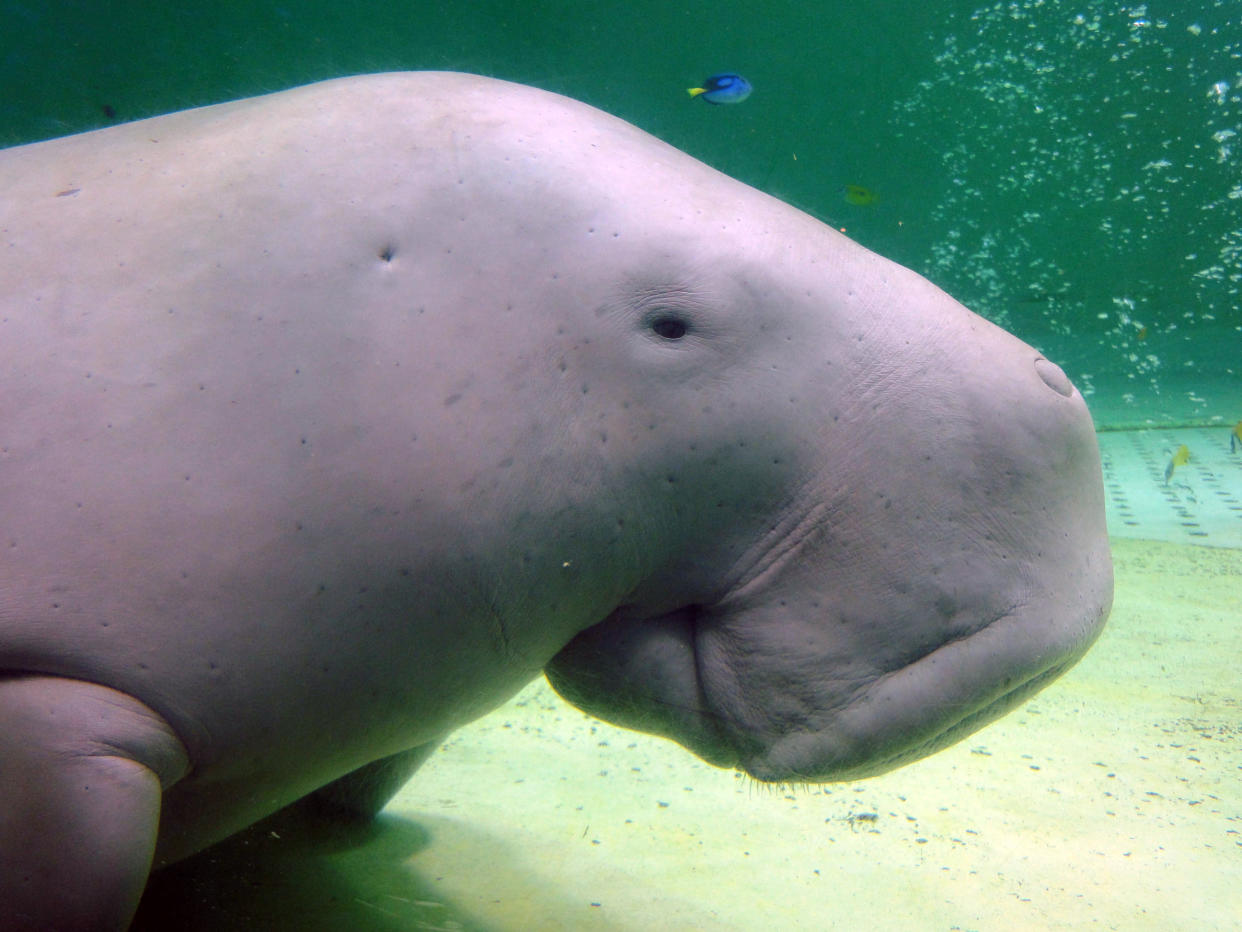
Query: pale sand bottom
(1112, 801)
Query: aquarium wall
(1070, 169)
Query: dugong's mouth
(870, 727)
(906, 715)
(683, 677)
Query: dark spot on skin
(387, 253)
(68, 192)
(452, 399)
(505, 463)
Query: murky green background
(1071, 169)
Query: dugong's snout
(875, 725)
(788, 713)
(936, 581)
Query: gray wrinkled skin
(329, 419)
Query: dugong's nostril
(1054, 377)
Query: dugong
(331, 418)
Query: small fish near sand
(1180, 458)
(725, 88)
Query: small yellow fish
(1235, 438)
(1180, 458)
(859, 196)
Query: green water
(1070, 169)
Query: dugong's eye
(669, 327)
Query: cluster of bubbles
(1090, 184)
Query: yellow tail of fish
(1180, 458)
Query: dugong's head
(867, 521)
(796, 507)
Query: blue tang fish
(723, 89)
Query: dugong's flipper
(81, 773)
(360, 795)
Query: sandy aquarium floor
(1113, 800)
